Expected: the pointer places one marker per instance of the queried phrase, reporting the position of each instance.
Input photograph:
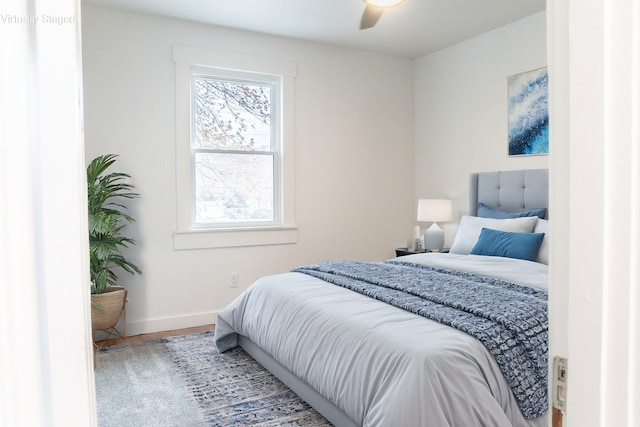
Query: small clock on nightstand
(407, 251)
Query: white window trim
(188, 237)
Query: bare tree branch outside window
(234, 159)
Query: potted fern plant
(107, 219)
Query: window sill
(232, 238)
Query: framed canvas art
(529, 113)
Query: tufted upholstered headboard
(510, 191)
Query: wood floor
(155, 335)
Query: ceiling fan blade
(370, 16)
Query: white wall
(461, 110)
(354, 157)
(46, 355)
(594, 65)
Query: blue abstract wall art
(529, 113)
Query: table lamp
(434, 210)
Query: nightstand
(407, 251)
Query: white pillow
(542, 226)
(470, 227)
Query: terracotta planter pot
(112, 304)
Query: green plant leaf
(107, 220)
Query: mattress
(379, 364)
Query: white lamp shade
(434, 210)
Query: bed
(422, 340)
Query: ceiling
(411, 29)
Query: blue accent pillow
(487, 212)
(508, 244)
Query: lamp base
(433, 238)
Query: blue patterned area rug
(184, 381)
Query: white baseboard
(171, 323)
(162, 324)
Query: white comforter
(379, 364)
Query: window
(235, 144)
(234, 150)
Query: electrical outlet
(234, 280)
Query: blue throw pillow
(487, 212)
(508, 244)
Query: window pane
(234, 188)
(232, 115)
